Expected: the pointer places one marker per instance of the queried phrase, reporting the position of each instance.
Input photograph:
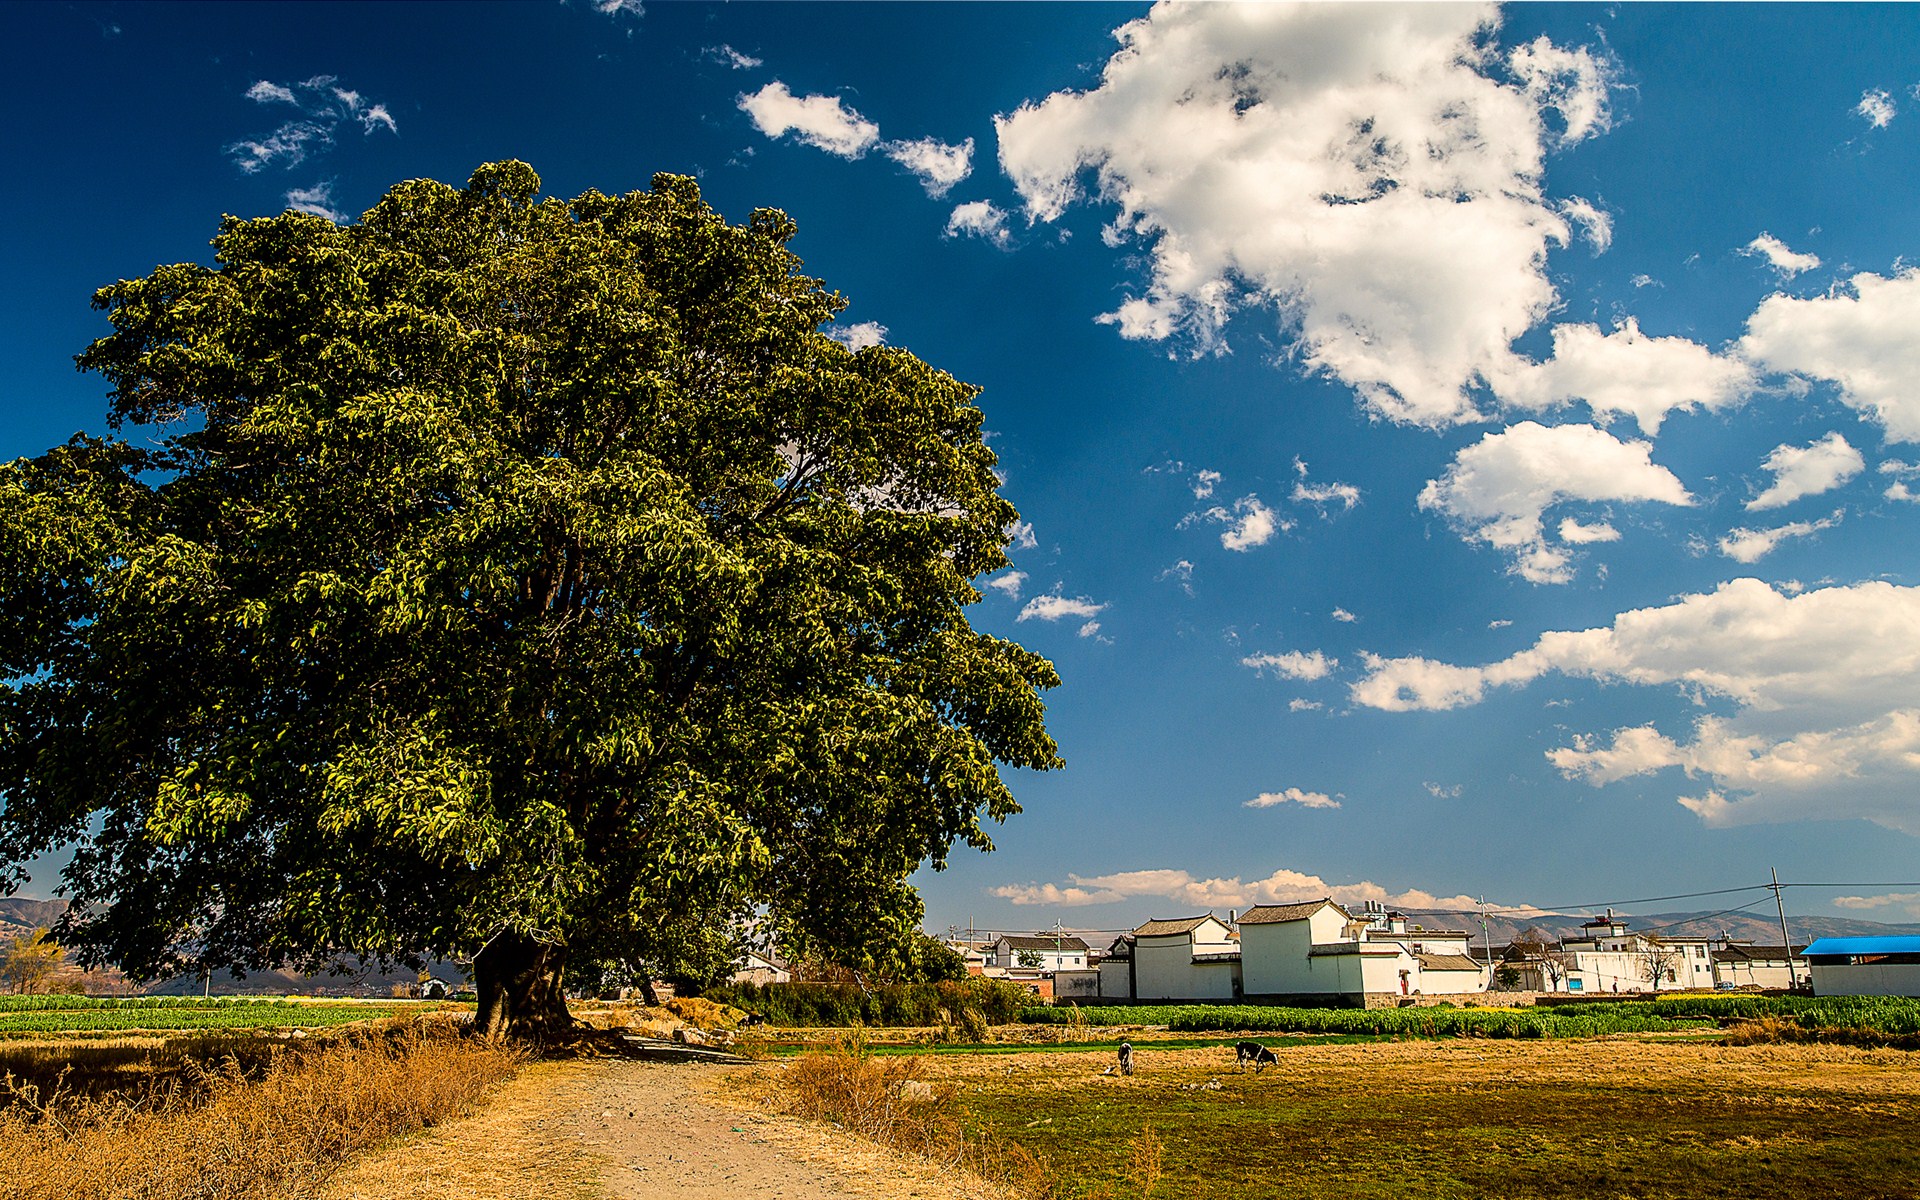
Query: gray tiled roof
(1273, 914)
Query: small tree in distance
(1658, 960)
(503, 578)
(28, 961)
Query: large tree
(502, 577)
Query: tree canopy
(502, 576)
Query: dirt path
(622, 1130)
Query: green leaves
(504, 563)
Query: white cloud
(1298, 704)
(823, 122)
(1008, 584)
(1910, 901)
(1203, 483)
(1181, 573)
(1859, 338)
(979, 218)
(1779, 256)
(1877, 107)
(1281, 887)
(1249, 523)
(727, 56)
(1900, 491)
(858, 337)
(1055, 607)
(1293, 664)
(1497, 490)
(1361, 169)
(1807, 471)
(1824, 686)
(938, 164)
(323, 106)
(1344, 494)
(1020, 535)
(1596, 225)
(1292, 795)
(1575, 83)
(265, 92)
(1624, 373)
(1575, 533)
(317, 200)
(1342, 615)
(1440, 791)
(619, 8)
(1751, 545)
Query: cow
(1253, 1052)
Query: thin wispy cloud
(324, 106)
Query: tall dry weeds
(227, 1135)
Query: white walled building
(1865, 966)
(1040, 952)
(1318, 950)
(1743, 964)
(1189, 958)
(1608, 957)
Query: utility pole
(1786, 939)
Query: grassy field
(1652, 1120)
(50, 1016)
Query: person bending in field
(1126, 1058)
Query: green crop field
(44, 1016)
(1888, 1015)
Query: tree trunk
(518, 979)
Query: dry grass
(888, 1100)
(230, 1132)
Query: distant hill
(19, 916)
(1759, 928)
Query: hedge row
(844, 1004)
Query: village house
(1738, 964)
(1188, 958)
(1608, 957)
(1865, 966)
(1314, 952)
(760, 967)
(1040, 952)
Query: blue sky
(1464, 451)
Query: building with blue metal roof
(1865, 966)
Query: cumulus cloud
(619, 8)
(1859, 338)
(979, 218)
(1596, 225)
(1293, 664)
(1497, 490)
(1876, 105)
(1297, 704)
(1575, 533)
(1342, 615)
(1204, 483)
(1008, 584)
(938, 164)
(1624, 373)
(1371, 173)
(1281, 887)
(1910, 901)
(1824, 688)
(1751, 545)
(1056, 607)
(1020, 535)
(1249, 523)
(1779, 256)
(859, 336)
(1807, 471)
(1292, 795)
(823, 122)
(323, 106)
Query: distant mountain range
(1752, 927)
